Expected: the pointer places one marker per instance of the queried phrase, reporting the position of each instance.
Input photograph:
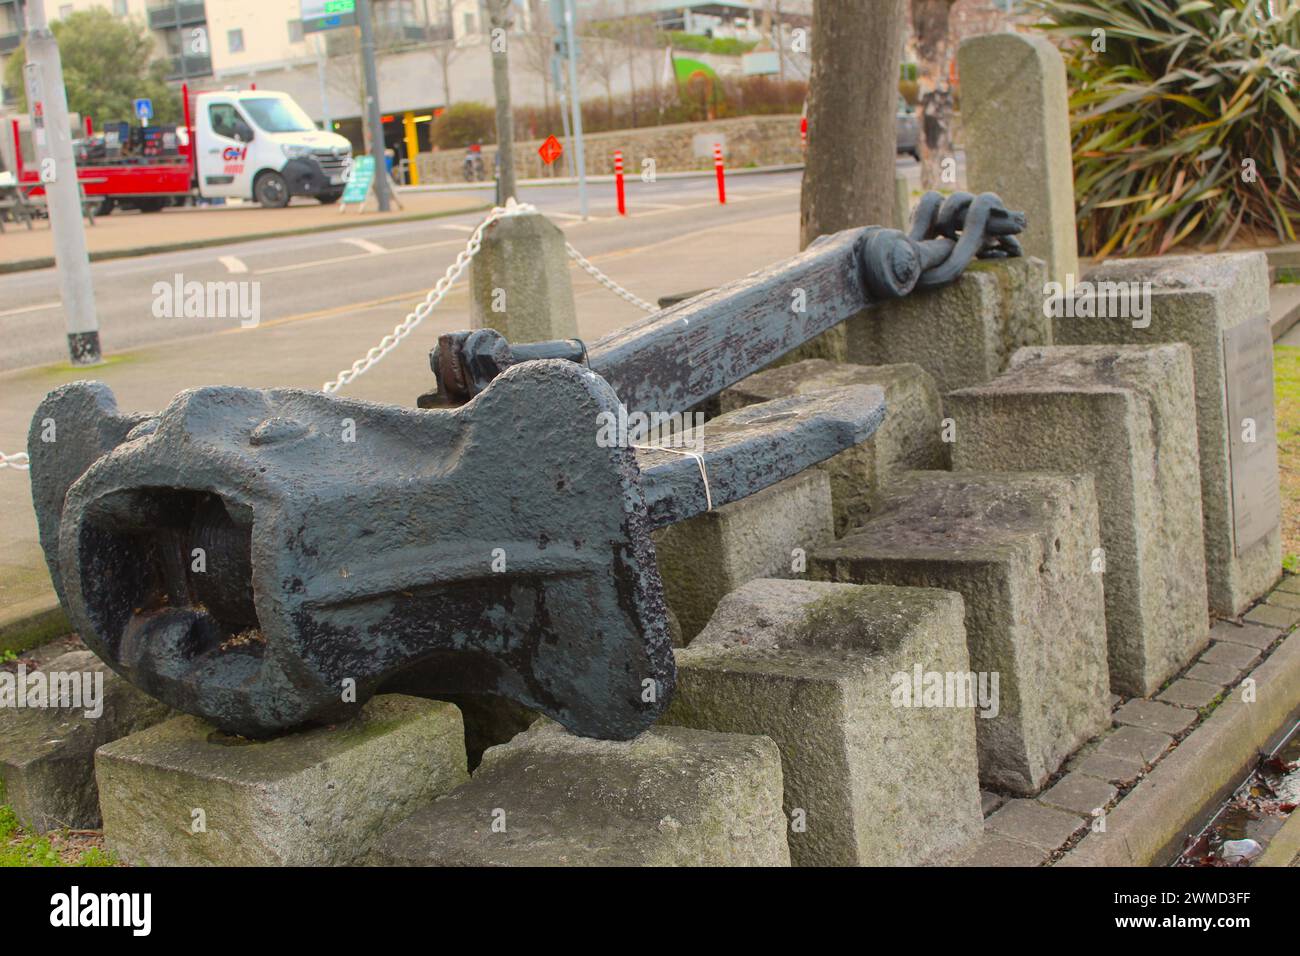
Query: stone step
(765, 535)
(47, 752)
(873, 775)
(1019, 549)
(671, 797)
(908, 440)
(1121, 413)
(184, 794)
(1218, 305)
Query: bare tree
(445, 50)
(848, 178)
(498, 46)
(934, 59)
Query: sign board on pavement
(360, 179)
(144, 109)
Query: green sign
(359, 180)
(318, 15)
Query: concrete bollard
(519, 281)
(1016, 120)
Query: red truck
(245, 144)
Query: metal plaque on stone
(1252, 433)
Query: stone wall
(746, 141)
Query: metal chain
(436, 295)
(454, 271)
(19, 461)
(606, 281)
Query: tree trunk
(934, 58)
(848, 178)
(499, 11)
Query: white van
(256, 144)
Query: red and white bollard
(722, 176)
(618, 182)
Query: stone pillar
(870, 779)
(962, 333)
(1016, 122)
(519, 282)
(907, 440)
(670, 797)
(705, 557)
(185, 794)
(1218, 305)
(1123, 414)
(1017, 549)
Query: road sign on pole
(551, 150)
(319, 15)
(144, 109)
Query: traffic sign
(551, 150)
(319, 15)
(144, 109)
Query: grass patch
(18, 848)
(1286, 383)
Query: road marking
(457, 226)
(232, 263)
(361, 255)
(416, 296)
(374, 248)
(31, 308)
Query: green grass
(20, 849)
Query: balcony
(193, 66)
(164, 15)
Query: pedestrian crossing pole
(47, 101)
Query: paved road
(333, 271)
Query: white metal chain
(454, 271)
(19, 461)
(607, 282)
(436, 295)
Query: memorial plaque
(1252, 433)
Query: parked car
(907, 130)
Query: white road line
(364, 255)
(373, 248)
(457, 226)
(31, 308)
(232, 263)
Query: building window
(119, 8)
(295, 31)
(469, 23)
(236, 40)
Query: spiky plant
(1184, 119)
